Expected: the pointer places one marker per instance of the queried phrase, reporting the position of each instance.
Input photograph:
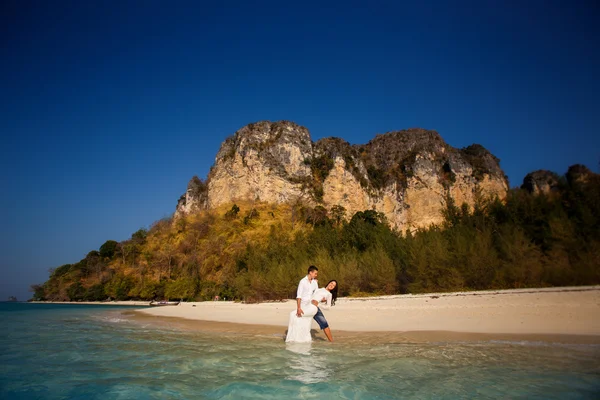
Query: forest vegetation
(256, 252)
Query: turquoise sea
(100, 352)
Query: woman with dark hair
(299, 327)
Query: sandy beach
(550, 314)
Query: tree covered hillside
(256, 251)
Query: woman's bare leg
(327, 332)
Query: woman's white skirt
(299, 327)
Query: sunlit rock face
(409, 174)
(406, 175)
(262, 161)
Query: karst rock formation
(407, 175)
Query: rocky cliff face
(541, 181)
(546, 182)
(406, 175)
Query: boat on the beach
(164, 303)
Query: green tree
(39, 293)
(119, 286)
(183, 288)
(76, 291)
(338, 214)
(108, 249)
(95, 293)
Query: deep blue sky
(108, 109)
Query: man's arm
(299, 311)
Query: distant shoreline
(556, 289)
(95, 303)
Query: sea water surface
(99, 352)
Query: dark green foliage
(371, 217)
(150, 290)
(208, 290)
(95, 293)
(317, 216)
(80, 269)
(119, 286)
(338, 214)
(233, 213)
(318, 191)
(183, 289)
(39, 293)
(60, 271)
(140, 235)
(364, 230)
(320, 167)
(108, 249)
(376, 177)
(76, 291)
(92, 255)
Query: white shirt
(321, 294)
(306, 289)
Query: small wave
(116, 320)
(270, 336)
(111, 318)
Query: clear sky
(108, 108)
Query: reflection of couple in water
(309, 298)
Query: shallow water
(77, 352)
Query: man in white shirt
(306, 288)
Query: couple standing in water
(309, 298)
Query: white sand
(566, 310)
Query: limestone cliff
(546, 182)
(541, 181)
(406, 174)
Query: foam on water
(76, 352)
